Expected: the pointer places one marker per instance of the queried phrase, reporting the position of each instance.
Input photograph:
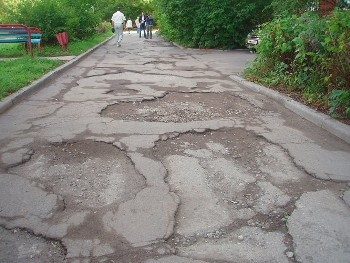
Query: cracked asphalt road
(149, 153)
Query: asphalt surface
(152, 153)
(242, 59)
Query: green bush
(79, 18)
(177, 22)
(210, 24)
(339, 103)
(336, 46)
(307, 53)
(289, 50)
(82, 19)
(217, 26)
(51, 16)
(103, 27)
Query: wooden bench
(18, 33)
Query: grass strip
(19, 72)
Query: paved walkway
(150, 153)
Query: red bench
(19, 33)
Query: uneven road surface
(150, 153)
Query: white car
(252, 40)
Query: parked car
(252, 40)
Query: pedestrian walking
(129, 25)
(142, 21)
(149, 26)
(118, 20)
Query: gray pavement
(152, 153)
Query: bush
(103, 27)
(307, 53)
(79, 18)
(82, 19)
(339, 103)
(210, 24)
(51, 16)
(336, 45)
(217, 26)
(289, 51)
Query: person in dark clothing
(149, 26)
(142, 20)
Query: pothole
(182, 107)
(86, 173)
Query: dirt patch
(183, 107)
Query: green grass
(75, 48)
(19, 72)
(18, 69)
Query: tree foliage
(131, 9)
(209, 24)
(292, 7)
(79, 18)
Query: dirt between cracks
(259, 191)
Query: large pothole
(86, 173)
(183, 107)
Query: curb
(324, 121)
(19, 95)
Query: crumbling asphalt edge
(324, 121)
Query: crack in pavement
(170, 162)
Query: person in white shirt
(129, 25)
(118, 20)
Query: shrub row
(310, 54)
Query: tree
(130, 8)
